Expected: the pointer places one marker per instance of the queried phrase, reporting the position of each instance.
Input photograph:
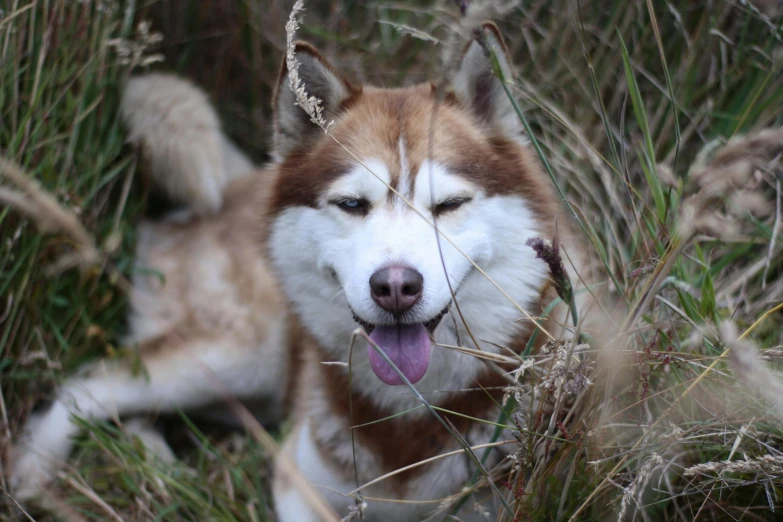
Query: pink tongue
(407, 345)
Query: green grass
(614, 98)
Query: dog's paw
(37, 455)
(30, 473)
(155, 444)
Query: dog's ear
(477, 86)
(293, 126)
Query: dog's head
(352, 213)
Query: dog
(406, 225)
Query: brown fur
(373, 127)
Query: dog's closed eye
(450, 205)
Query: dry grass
(647, 114)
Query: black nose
(396, 288)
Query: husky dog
(269, 273)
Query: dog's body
(269, 273)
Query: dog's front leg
(179, 375)
(291, 503)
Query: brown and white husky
(268, 273)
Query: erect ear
(293, 126)
(477, 86)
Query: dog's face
(352, 234)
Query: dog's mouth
(407, 345)
(428, 325)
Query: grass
(628, 102)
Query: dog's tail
(181, 139)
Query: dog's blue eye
(357, 206)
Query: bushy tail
(181, 139)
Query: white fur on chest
(424, 494)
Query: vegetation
(631, 104)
